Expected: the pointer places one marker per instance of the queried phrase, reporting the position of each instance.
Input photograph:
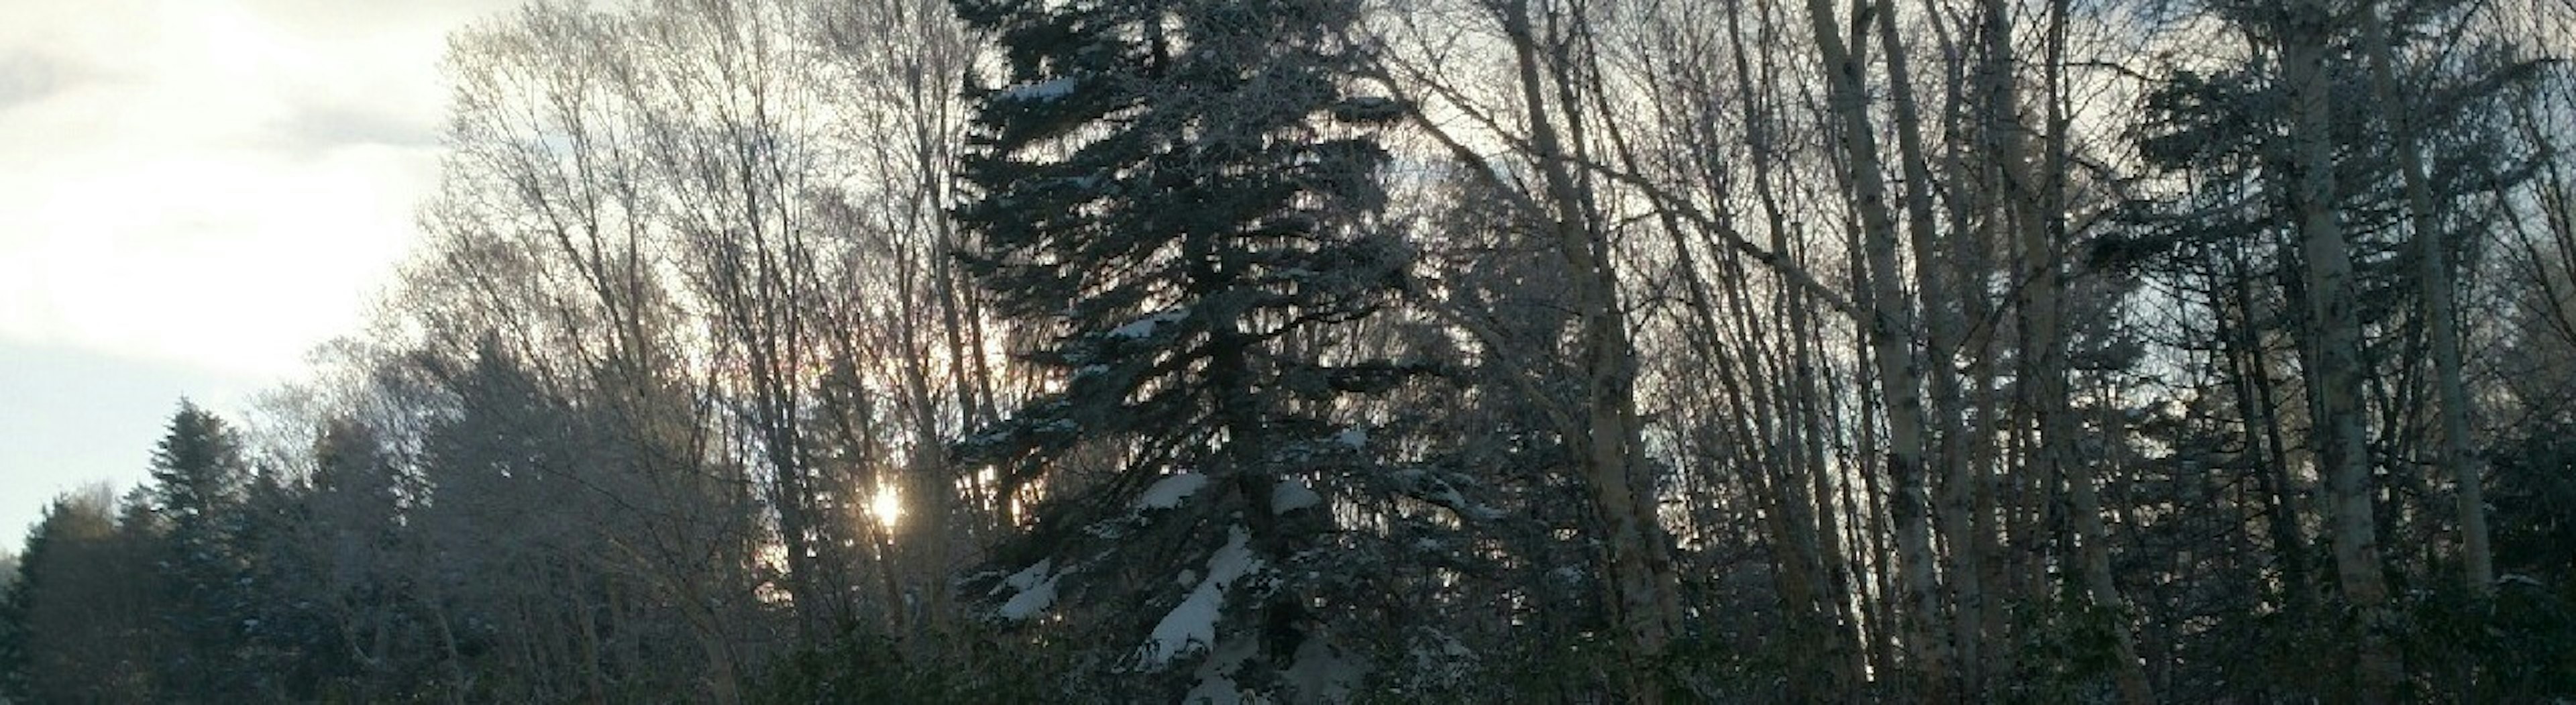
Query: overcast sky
(193, 194)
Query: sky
(194, 194)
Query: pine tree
(197, 474)
(1180, 198)
(2288, 185)
(79, 626)
(199, 485)
(14, 611)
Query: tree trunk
(1941, 341)
(1891, 328)
(2336, 383)
(1643, 595)
(2433, 270)
(2043, 225)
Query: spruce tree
(199, 484)
(1180, 200)
(15, 609)
(198, 474)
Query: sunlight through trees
(1329, 351)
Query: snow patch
(1321, 674)
(1440, 658)
(1191, 625)
(1143, 327)
(1028, 577)
(1036, 591)
(1215, 679)
(1030, 602)
(1169, 491)
(1354, 437)
(1292, 495)
(1430, 488)
(1049, 89)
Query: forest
(1410, 351)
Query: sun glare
(886, 506)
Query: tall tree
(84, 615)
(200, 482)
(1891, 324)
(1175, 193)
(2441, 318)
(1636, 553)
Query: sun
(886, 506)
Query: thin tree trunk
(1941, 340)
(2433, 268)
(2254, 404)
(1643, 588)
(2043, 230)
(1891, 328)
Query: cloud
(315, 130)
(194, 193)
(215, 182)
(27, 76)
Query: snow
(1353, 437)
(1191, 625)
(1215, 679)
(1143, 327)
(1233, 561)
(1049, 89)
(1169, 491)
(1438, 491)
(1029, 577)
(1036, 586)
(1440, 657)
(1320, 674)
(1030, 602)
(1292, 495)
(1451, 648)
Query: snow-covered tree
(1180, 199)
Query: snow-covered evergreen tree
(1181, 198)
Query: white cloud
(218, 182)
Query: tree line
(1424, 351)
